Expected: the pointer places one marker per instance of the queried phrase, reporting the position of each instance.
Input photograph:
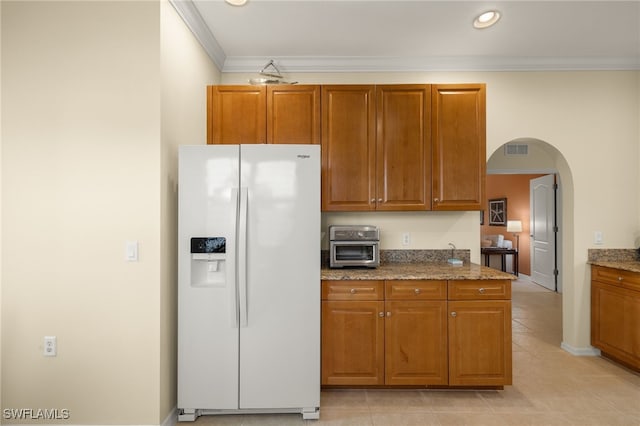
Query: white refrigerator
(248, 280)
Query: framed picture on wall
(498, 212)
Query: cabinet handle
(417, 291)
(481, 290)
(381, 314)
(353, 291)
(379, 200)
(388, 314)
(454, 314)
(373, 200)
(620, 278)
(435, 200)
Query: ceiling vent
(520, 149)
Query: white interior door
(543, 234)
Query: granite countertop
(624, 259)
(417, 271)
(628, 265)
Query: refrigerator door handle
(242, 256)
(231, 275)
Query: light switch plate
(131, 251)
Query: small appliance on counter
(354, 246)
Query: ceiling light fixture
(486, 19)
(236, 2)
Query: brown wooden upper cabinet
(263, 114)
(459, 146)
(376, 152)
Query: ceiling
(416, 35)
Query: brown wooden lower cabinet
(615, 314)
(480, 342)
(414, 333)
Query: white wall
(591, 118)
(96, 97)
(186, 71)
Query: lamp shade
(514, 226)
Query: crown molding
(192, 18)
(436, 63)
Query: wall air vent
(519, 149)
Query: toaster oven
(354, 246)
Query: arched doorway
(534, 156)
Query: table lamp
(515, 226)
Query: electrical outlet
(50, 346)
(406, 239)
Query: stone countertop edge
(623, 259)
(417, 271)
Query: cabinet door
(416, 343)
(459, 146)
(293, 114)
(352, 343)
(480, 343)
(348, 148)
(236, 114)
(403, 147)
(615, 315)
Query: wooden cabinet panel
(352, 343)
(479, 289)
(348, 148)
(459, 146)
(416, 290)
(615, 314)
(353, 290)
(263, 114)
(236, 114)
(416, 336)
(403, 147)
(626, 279)
(480, 343)
(416, 343)
(293, 114)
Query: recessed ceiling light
(486, 19)
(236, 2)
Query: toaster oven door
(353, 253)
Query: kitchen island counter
(416, 271)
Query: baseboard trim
(172, 418)
(589, 351)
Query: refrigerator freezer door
(280, 344)
(208, 333)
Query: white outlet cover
(50, 346)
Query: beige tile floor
(550, 386)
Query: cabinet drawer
(617, 277)
(416, 290)
(479, 289)
(352, 290)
